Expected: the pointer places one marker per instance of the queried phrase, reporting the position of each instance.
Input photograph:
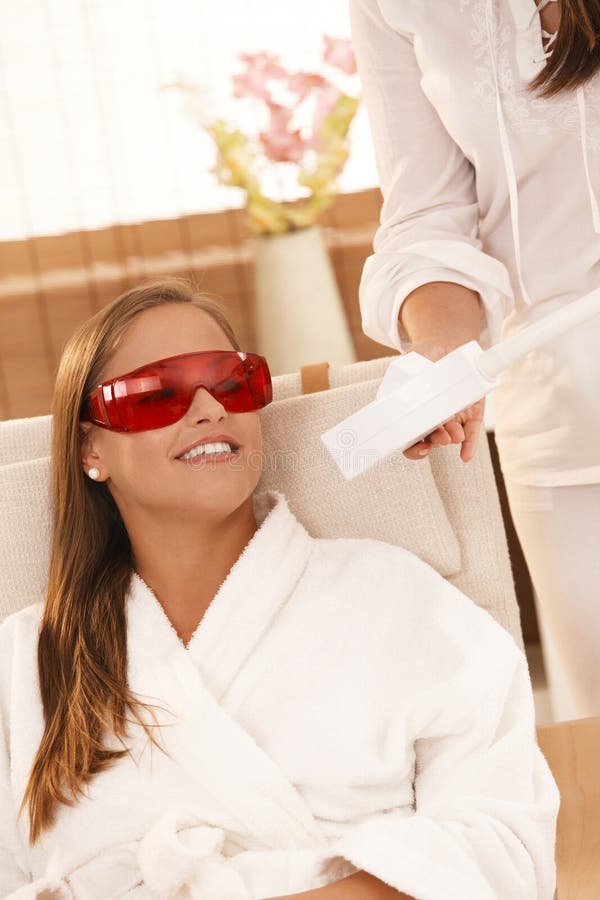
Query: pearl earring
(94, 472)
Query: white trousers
(559, 531)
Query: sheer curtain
(105, 178)
(87, 139)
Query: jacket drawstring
(584, 147)
(508, 161)
(507, 156)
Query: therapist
(485, 116)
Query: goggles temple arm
(95, 408)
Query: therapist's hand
(463, 428)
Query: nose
(204, 406)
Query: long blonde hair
(82, 649)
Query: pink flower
(241, 157)
(338, 52)
(260, 68)
(302, 83)
(279, 144)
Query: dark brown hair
(575, 53)
(82, 649)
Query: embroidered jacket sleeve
(429, 218)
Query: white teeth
(217, 447)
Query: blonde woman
(485, 117)
(210, 703)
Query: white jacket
(491, 187)
(340, 706)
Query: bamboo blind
(49, 285)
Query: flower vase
(300, 317)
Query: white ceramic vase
(300, 318)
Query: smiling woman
(143, 418)
(212, 702)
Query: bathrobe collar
(257, 586)
(255, 803)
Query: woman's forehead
(165, 331)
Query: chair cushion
(25, 527)
(395, 501)
(24, 439)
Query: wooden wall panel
(212, 229)
(109, 272)
(63, 251)
(27, 369)
(163, 237)
(15, 258)
(69, 306)
(24, 382)
(223, 284)
(4, 401)
(21, 332)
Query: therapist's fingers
(467, 451)
(439, 436)
(419, 450)
(456, 431)
(422, 448)
(472, 427)
(450, 432)
(460, 429)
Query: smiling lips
(211, 439)
(205, 453)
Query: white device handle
(501, 356)
(417, 395)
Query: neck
(184, 565)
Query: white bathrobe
(340, 706)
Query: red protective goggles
(159, 393)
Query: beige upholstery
(445, 511)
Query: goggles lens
(160, 393)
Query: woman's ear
(90, 456)
(85, 437)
